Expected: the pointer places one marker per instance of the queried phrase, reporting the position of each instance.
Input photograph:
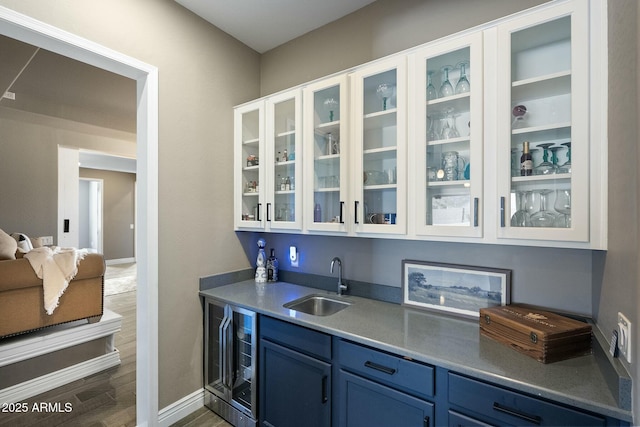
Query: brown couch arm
(15, 274)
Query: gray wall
(29, 156)
(118, 211)
(203, 73)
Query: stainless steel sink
(318, 305)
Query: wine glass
(519, 112)
(544, 217)
(566, 167)
(463, 85)
(521, 217)
(432, 93)
(563, 206)
(431, 132)
(331, 106)
(384, 92)
(546, 167)
(449, 129)
(446, 89)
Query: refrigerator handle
(226, 345)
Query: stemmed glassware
(563, 206)
(449, 129)
(519, 112)
(432, 93)
(384, 92)
(331, 106)
(546, 167)
(544, 217)
(463, 85)
(520, 217)
(446, 89)
(566, 167)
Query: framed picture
(455, 289)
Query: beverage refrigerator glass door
(230, 362)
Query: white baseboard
(180, 409)
(27, 389)
(119, 261)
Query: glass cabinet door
(543, 126)
(214, 354)
(449, 137)
(284, 139)
(379, 106)
(243, 360)
(326, 155)
(248, 170)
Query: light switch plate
(624, 336)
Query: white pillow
(8, 246)
(23, 241)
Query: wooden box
(545, 336)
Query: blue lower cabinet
(295, 388)
(364, 403)
(459, 420)
(505, 407)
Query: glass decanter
(384, 92)
(330, 107)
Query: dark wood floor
(107, 398)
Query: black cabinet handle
(325, 398)
(502, 212)
(341, 209)
(355, 209)
(513, 412)
(268, 212)
(426, 421)
(259, 206)
(380, 368)
(475, 211)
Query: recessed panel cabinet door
(295, 388)
(364, 403)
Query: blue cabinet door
(295, 389)
(364, 403)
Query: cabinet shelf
(287, 163)
(449, 141)
(542, 86)
(329, 127)
(327, 190)
(254, 141)
(457, 183)
(380, 187)
(380, 153)
(252, 194)
(541, 178)
(552, 132)
(284, 134)
(251, 168)
(328, 157)
(380, 119)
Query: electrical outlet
(47, 240)
(624, 336)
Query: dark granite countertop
(449, 342)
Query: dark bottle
(526, 161)
(272, 267)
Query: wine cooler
(230, 362)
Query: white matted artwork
(455, 289)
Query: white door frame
(37, 33)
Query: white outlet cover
(624, 336)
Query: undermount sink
(317, 305)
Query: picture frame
(459, 290)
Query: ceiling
(265, 24)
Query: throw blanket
(56, 267)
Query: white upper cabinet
(284, 161)
(446, 131)
(326, 155)
(543, 103)
(268, 148)
(249, 158)
(379, 147)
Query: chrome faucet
(341, 287)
